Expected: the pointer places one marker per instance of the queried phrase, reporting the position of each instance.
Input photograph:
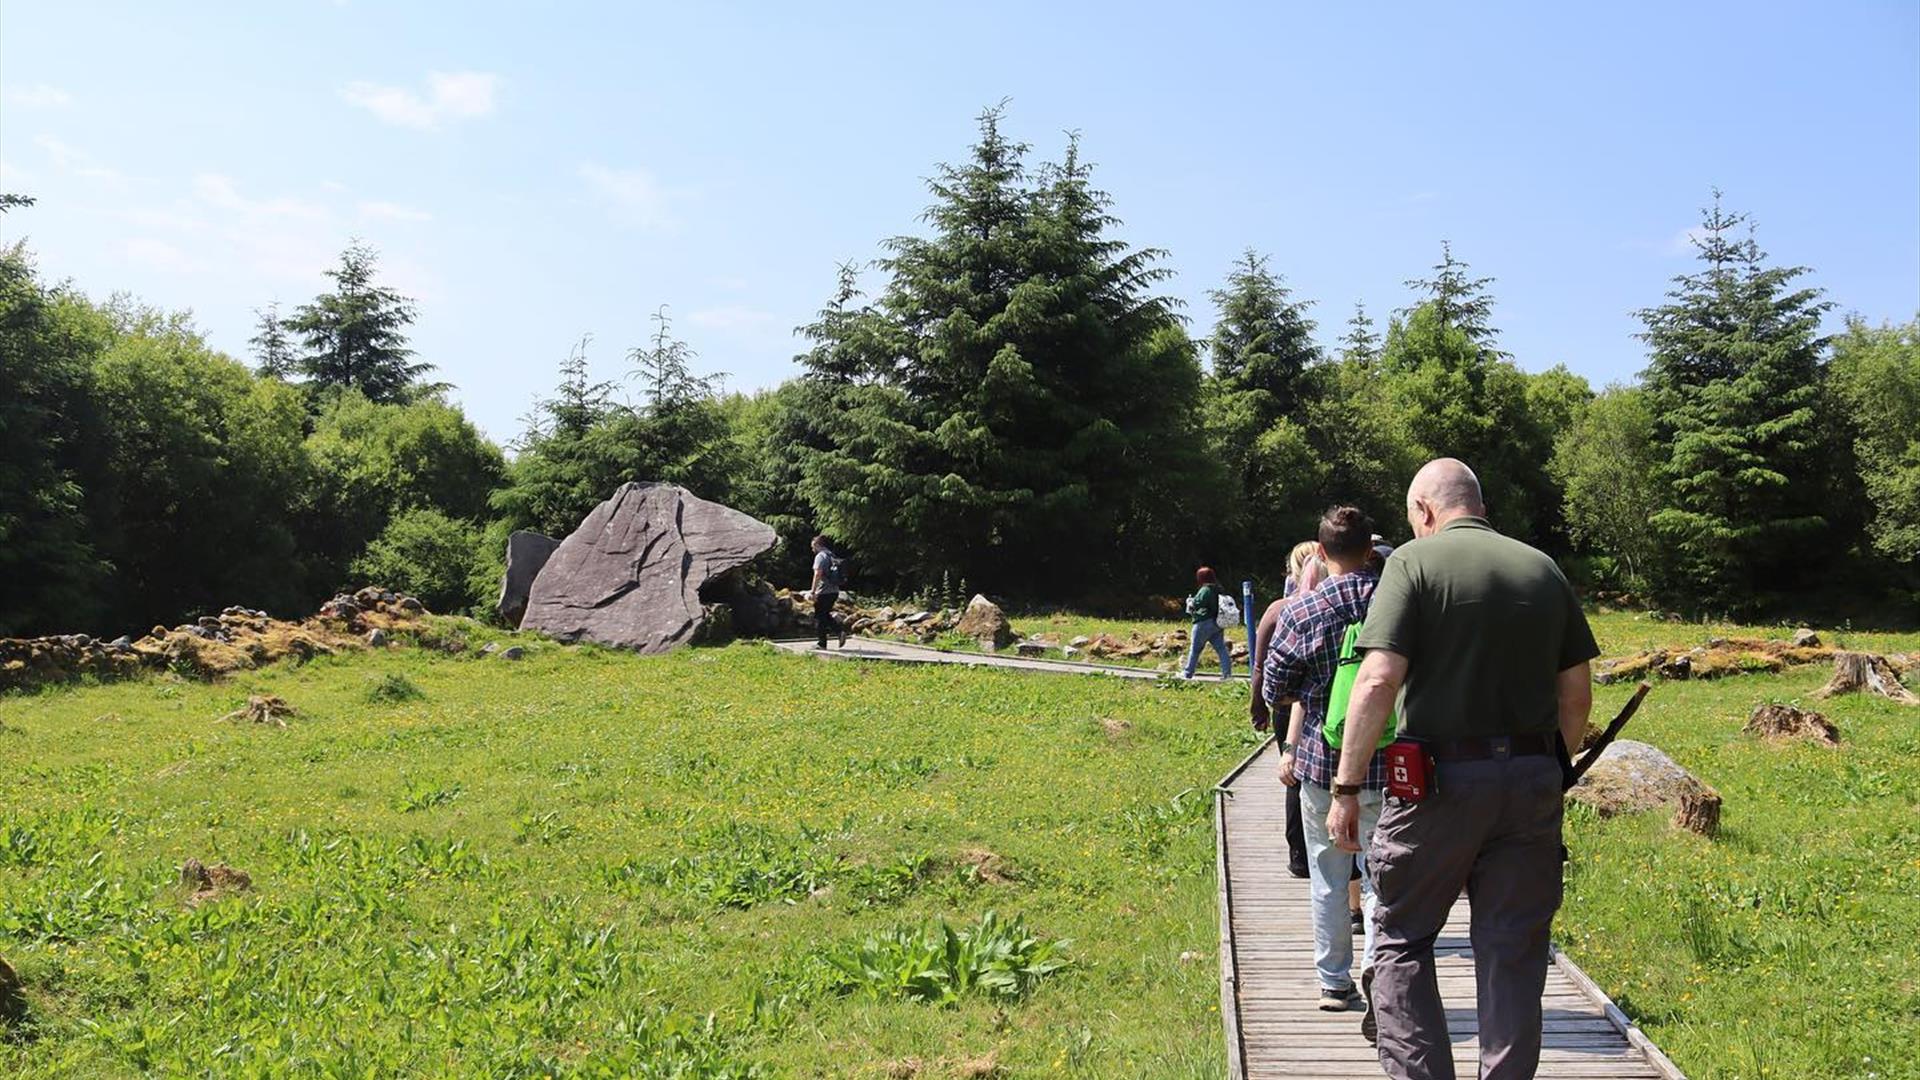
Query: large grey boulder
(527, 553)
(1633, 776)
(630, 575)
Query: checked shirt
(1300, 664)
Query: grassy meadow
(730, 862)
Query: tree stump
(263, 709)
(1699, 811)
(1774, 720)
(1857, 672)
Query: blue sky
(533, 173)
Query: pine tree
(1459, 301)
(1734, 379)
(664, 368)
(1360, 345)
(356, 335)
(1016, 390)
(270, 345)
(1263, 339)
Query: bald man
(1487, 640)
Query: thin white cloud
(220, 192)
(633, 195)
(37, 96)
(735, 319)
(160, 255)
(71, 159)
(456, 95)
(389, 211)
(13, 177)
(1684, 241)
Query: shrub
(427, 554)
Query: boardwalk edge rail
(1618, 1018)
(1229, 961)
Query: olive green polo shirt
(1486, 624)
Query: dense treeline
(1018, 408)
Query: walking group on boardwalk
(1427, 700)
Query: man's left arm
(1574, 688)
(1375, 688)
(1286, 667)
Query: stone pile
(212, 645)
(1717, 658)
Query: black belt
(1495, 747)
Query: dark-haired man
(1300, 665)
(1491, 647)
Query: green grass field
(728, 860)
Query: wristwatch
(1346, 789)
(1287, 748)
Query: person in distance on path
(826, 592)
(1486, 638)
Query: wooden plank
(1269, 986)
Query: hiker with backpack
(1313, 660)
(829, 577)
(1212, 611)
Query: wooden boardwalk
(900, 652)
(1268, 987)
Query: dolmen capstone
(527, 555)
(630, 575)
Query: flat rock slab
(630, 575)
(527, 555)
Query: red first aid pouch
(1409, 770)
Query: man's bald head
(1442, 490)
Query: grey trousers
(1493, 828)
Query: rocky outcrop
(1634, 776)
(630, 575)
(984, 622)
(527, 553)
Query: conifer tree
(356, 335)
(1263, 339)
(271, 348)
(1017, 406)
(1360, 344)
(1734, 377)
(1459, 301)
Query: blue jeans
(1218, 637)
(1328, 870)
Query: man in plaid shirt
(1300, 666)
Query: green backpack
(1343, 676)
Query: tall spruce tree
(272, 349)
(1734, 378)
(1360, 344)
(1458, 301)
(1262, 348)
(355, 336)
(1263, 339)
(1017, 407)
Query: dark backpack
(836, 570)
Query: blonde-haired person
(1305, 572)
